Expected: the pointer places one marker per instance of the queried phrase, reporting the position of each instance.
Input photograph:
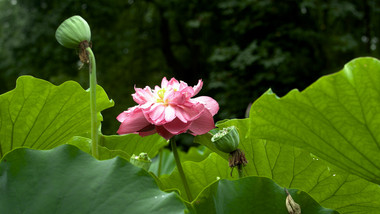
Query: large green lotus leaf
(252, 195)
(40, 115)
(133, 144)
(292, 167)
(68, 180)
(337, 118)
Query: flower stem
(240, 170)
(94, 119)
(180, 170)
(160, 163)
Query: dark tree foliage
(240, 48)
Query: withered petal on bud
(237, 157)
(83, 55)
(73, 31)
(291, 205)
(226, 140)
(142, 161)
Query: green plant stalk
(160, 163)
(240, 170)
(94, 119)
(180, 170)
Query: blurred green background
(240, 48)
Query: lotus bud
(72, 32)
(142, 161)
(227, 139)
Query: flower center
(161, 94)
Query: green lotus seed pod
(142, 161)
(72, 32)
(227, 139)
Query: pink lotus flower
(169, 110)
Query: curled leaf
(291, 205)
(142, 160)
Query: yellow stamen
(161, 94)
